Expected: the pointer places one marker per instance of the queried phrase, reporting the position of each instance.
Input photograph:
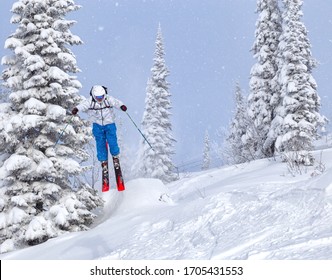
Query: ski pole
(139, 130)
(62, 132)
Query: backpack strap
(92, 104)
(107, 104)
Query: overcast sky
(207, 45)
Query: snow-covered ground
(250, 211)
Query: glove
(123, 108)
(74, 111)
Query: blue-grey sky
(207, 45)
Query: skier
(100, 110)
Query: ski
(105, 177)
(118, 174)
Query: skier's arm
(83, 106)
(117, 103)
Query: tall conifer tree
(41, 193)
(297, 117)
(156, 162)
(260, 107)
(242, 130)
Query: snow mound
(144, 193)
(139, 194)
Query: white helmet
(98, 92)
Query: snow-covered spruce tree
(260, 107)
(206, 152)
(41, 194)
(297, 117)
(156, 124)
(239, 146)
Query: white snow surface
(255, 210)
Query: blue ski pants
(103, 134)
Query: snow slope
(250, 211)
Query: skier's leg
(99, 134)
(112, 139)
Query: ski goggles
(99, 98)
